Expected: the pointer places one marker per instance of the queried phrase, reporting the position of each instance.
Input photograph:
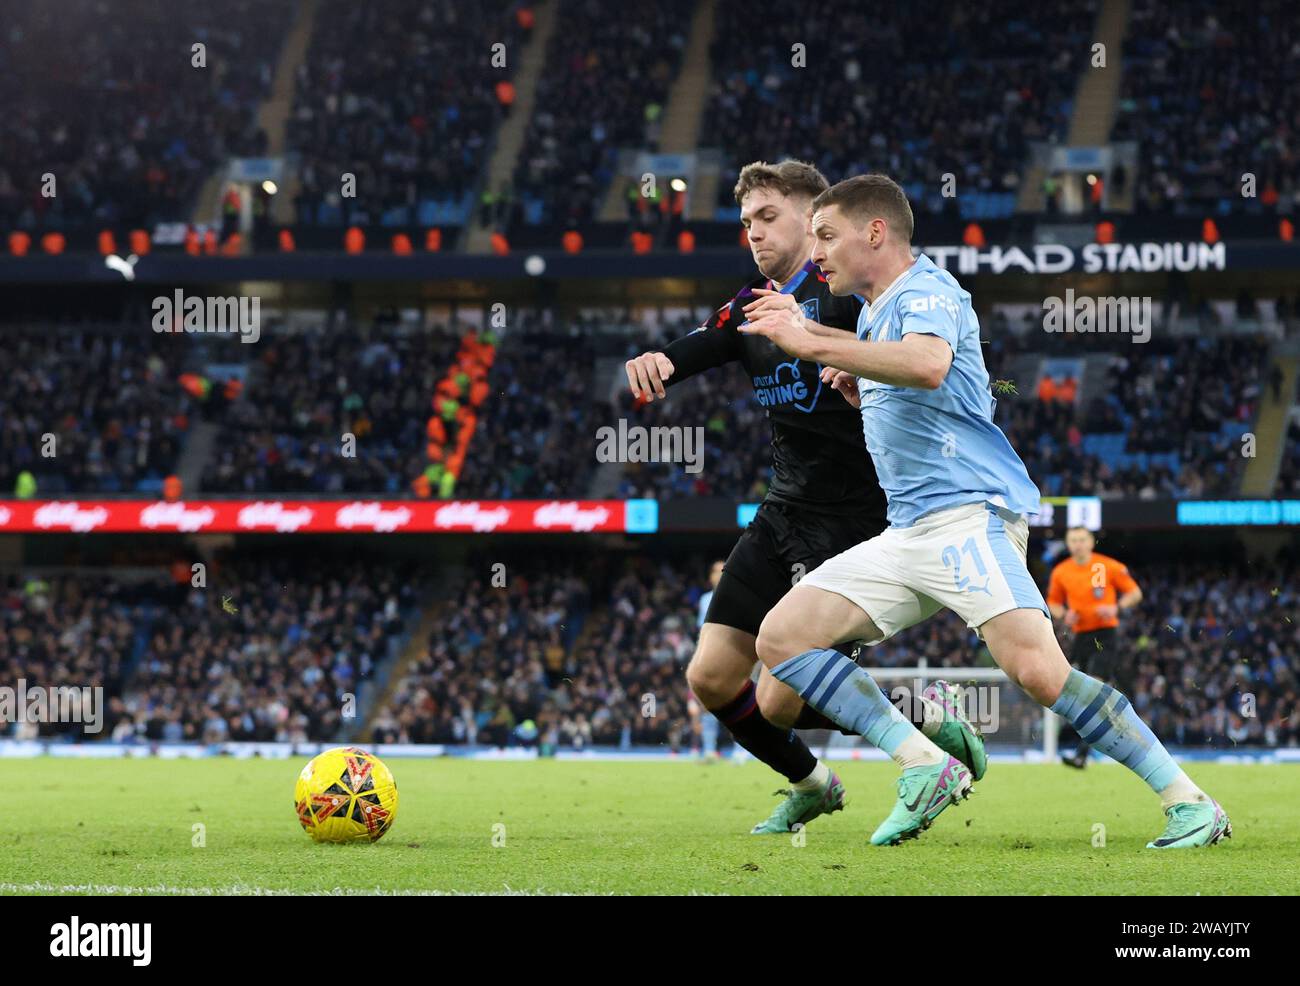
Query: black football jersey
(819, 456)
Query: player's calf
(719, 675)
(794, 642)
(1022, 644)
(780, 704)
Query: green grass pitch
(127, 826)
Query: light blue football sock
(834, 685)
(1105, 719)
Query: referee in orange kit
(1087, 591)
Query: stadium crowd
(1168, 421)
(1209, 92)
(128, 117)
(1162, 419)
(536, 435)
(410, 112)
(607, 74)
(310, 390)
(132, 121)
(556, 658)
(267, 650)
(976, 87)
(576, 652)
(88, 411)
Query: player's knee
(709, 681)
(778, 640)
(1038, 677)
(699, 679)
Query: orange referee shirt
(1082, 588)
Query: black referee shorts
(782, 544)
(1097, 653)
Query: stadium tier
(976, 89)
(410, 113)
(563, 654)
(608, 69)
(125, 409)
(284, 128)
(266, 652)
(1208, 97)
(92, 410)
(128, 111)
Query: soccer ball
(346, 795)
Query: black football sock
(779, 748)
(912, 706)
(810, 718)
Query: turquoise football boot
(923, 792)
(958, 736)
(1193, 824)
(799, 808)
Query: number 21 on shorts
(952, 559)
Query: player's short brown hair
(869, 197)
(790, 178)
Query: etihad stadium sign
(1092, 258)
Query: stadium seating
(126, 122)
(536, 430)
(1209, 93)
(607, 74)
(890, 89)
(265, 652)
(402, 96)
(112, 403)
(311, 389)
(576, 647)
(1167, 422)
(1161, 419)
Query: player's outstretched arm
(919, 361)
(714, 343)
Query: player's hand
(846, 383)
(785, 327)
(771, 302)
(646, 375)
(1107, 612)
(1071, 618)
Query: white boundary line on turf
(242, 890)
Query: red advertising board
(309, 516)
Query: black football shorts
(782, 544)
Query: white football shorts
(969, 559)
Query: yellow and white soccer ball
(346, 795)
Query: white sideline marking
(244, 890)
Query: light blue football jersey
(936, 449)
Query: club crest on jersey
(811, 309)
